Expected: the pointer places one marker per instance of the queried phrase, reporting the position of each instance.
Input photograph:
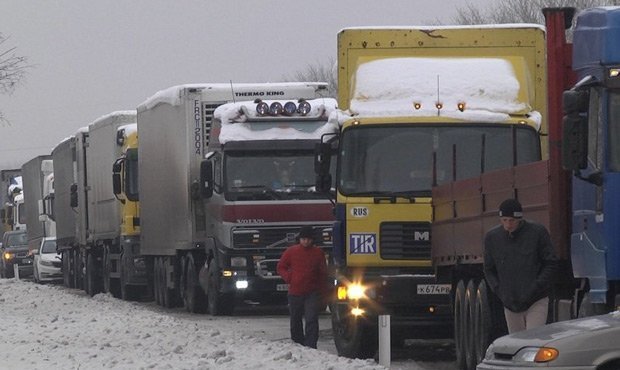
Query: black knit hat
(306, 232)
(510, 208)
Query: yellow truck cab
(410, 99)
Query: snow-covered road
(51, 327)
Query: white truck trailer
(34, 176)
(209, 204)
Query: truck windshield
(381, 159)
(272, 175)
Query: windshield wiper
(264, 190)
(410, 195)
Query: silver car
(587, 343)
(47, 262)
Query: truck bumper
(412, 302)
(256, 289)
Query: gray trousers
(533, 317)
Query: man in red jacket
(303, 268)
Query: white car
(47, 262)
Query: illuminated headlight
(536, 354)
(46, 263)
(275, 109)
(614, 72)
(241, 284)
(290, 108)
(354, 292)
(262, 109)
(304, 108)
(7, 256)
(238, 262)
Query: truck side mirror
(116, 183)
(73, 196)
(116, 178)
(574, 142)
(322, 163)
(206, 179)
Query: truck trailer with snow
(581, 214)
(35, 177)
(10, 185)
(214, 214)
(410, 96)
(87, 214)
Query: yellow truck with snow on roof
(411, 99)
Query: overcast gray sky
(91, 58)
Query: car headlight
(536, 354)
(7, 256)
(46, 263)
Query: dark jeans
(304, 307)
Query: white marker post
(385, 355)
(16, 271)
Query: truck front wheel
(353, 338)
(459, 324)
(194, 298)
(218, 303)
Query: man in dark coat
(519, 267)
(303, 268)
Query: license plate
(282, 287)
(434, 288)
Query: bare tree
(319, 72)
(518, 11)
(12, 70)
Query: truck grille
(277, 237)
(405, 240)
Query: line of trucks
(433, 128)
(190, 199)
(438, 126)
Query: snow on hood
(236, 127)
(488, 87)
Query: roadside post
(385, 355)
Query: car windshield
(49, 246)
(17, 239)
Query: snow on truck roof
(236, 91)
(235, 125)
(412, 86)
(454, 27)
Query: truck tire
(485, 319)
(353, 338)
(66, 270)
(92, 276)
(169, 297)
(157, 280)
(470, 342)
(128, 292)
(219, 304)
(194, 298)
(109, 285)
(459, 324)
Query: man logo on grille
(421, 236)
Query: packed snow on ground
(51, 327)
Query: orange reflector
(546, 354)
(342, 293)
